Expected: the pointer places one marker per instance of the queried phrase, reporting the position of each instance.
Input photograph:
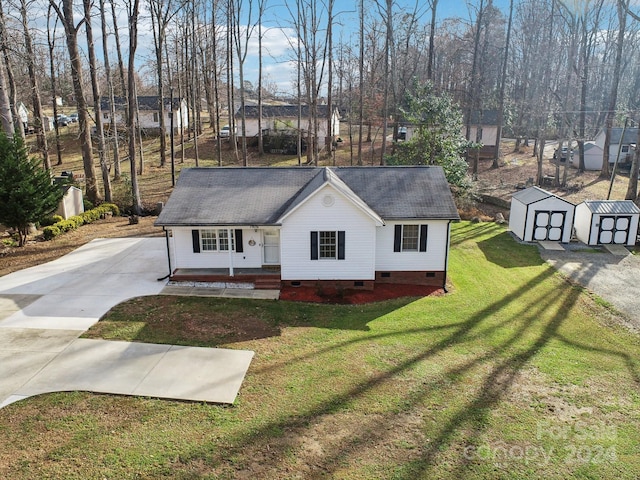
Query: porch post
(230, 252)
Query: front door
(271, 246)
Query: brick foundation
(332, 284)
(434, 279)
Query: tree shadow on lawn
(502, 250)
(529, 332)
(213, 322)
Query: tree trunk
(503, 81)
(6, 118)
(615, 82)
(112, 107)
(133, 104)
(71, 31)
(35, 88)
(13, 96)
(96, 101)
(54, 83)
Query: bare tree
(35, 88)
(95, 88)
(113, 127)
(71, 30)
(132, 107)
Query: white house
(537, 215)
(149, 116)
(599, 222)
(626, 144)
(348, 227)
(284, 119)
(593, 155)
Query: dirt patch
(333, 295)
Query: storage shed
(537, 215)
(600, 222)
(71, 203)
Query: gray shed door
(614, 229)
(548, 225)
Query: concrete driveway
(44, 309)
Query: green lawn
(515, 373)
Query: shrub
(89, 216)
(87, 204)
(50, 220)
(51, 231)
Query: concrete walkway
(44, 309)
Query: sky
(279, 36)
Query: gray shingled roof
(534, 194)
(281, 111)
(145, 103)
(612, 207)
(630, 135)
(260, 196)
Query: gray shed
(600, 222)
(537, 215)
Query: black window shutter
(238, 239)
(314, 245)
(341, 237)
(423, 238)
(195, 237)
(397, 240)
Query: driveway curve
(44, 309)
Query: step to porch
(267, 283)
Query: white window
(625, 149)
(216, 240)
(410, 235)
(156, 118)
(328, 244)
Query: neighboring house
(483, 127)
(599, 222)
(593, 155)
(537, 215)
(626, 144)
(349, 227)
(149, 116)
(284, 119)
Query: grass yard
(514, 374)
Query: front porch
(266, 278)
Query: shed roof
(612, 207)
(261, 196)
(630, 136)
(535, 194)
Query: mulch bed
(379, 293)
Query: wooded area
(553, 69)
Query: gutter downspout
(446, 258)
(166, 236)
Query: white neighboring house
(149, 112)
(348, 227)
(599, 222)
(284, 118)
(626, 144)
(537, 215)
(593, 155)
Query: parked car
(225, 132)
(73, 117)
(563, 155)
(402, 133)
(62, 120)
